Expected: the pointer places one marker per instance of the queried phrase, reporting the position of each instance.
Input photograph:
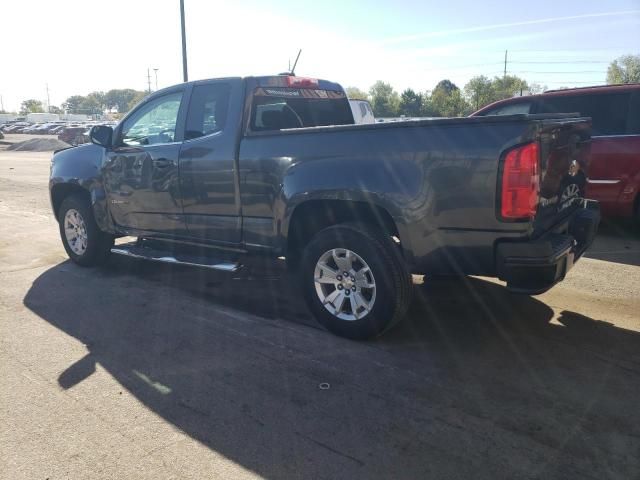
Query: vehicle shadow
(476, 383)
(618, 241)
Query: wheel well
(63, 190)
(315, 215)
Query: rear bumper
(534, 266)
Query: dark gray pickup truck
(206, 173)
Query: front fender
(81, 168)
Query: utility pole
(1, 104)
(155, 70)
(148, 81)
(185, 75)
(505, 64)
(48, 101)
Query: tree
(54, 109)
(355, 93)
(384, 100)
(137, 98)
(31, 106)
(410, 103)
(479, 91)
(508, 86)
(74, 104)
(535, 88)
(97, 101)
(121, 99)
(625, 69)
(445, 86)
(448, 105)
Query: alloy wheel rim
(344, 284)
(75, 231)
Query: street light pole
(184, 44)
(155, 70)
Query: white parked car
(362, 112)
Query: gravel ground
(140, 370)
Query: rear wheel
(83, 240)
(354, 281)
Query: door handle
(163, 163)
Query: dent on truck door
(141, 170)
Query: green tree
(446, 100)
(448, 105)
(355, 93)
(74, 104)
(97, 100)
(508, 86)
(384, 100)
(31, 106)
(137, 98)
(54, 109)
(479, 91)
(445, 86)
(625, 69)
(121, 99)
(410, 103)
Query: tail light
(520, 183)
(302, 82)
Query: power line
(561, 62)
(559, 73)
(568, 82)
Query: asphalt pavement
(141, 370)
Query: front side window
(283, 108)
(208, 108)
(154, 123)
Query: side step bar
(136, 250)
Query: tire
(387, 302)
(572, 186)
(92, 246)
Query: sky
(75, 47)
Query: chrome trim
(227, 267)
(603, 182)
(616, 136)
(209, 135)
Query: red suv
(614, 169)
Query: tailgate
(565, 145)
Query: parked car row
(71, 133)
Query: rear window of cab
(276, 108)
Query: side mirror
(101, 135)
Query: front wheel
(83, 240)
(354, 281)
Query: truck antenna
(293, 70)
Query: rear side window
(609, 112)
(633, 126)
(283, 108)
(511, 109)
(207, 110)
